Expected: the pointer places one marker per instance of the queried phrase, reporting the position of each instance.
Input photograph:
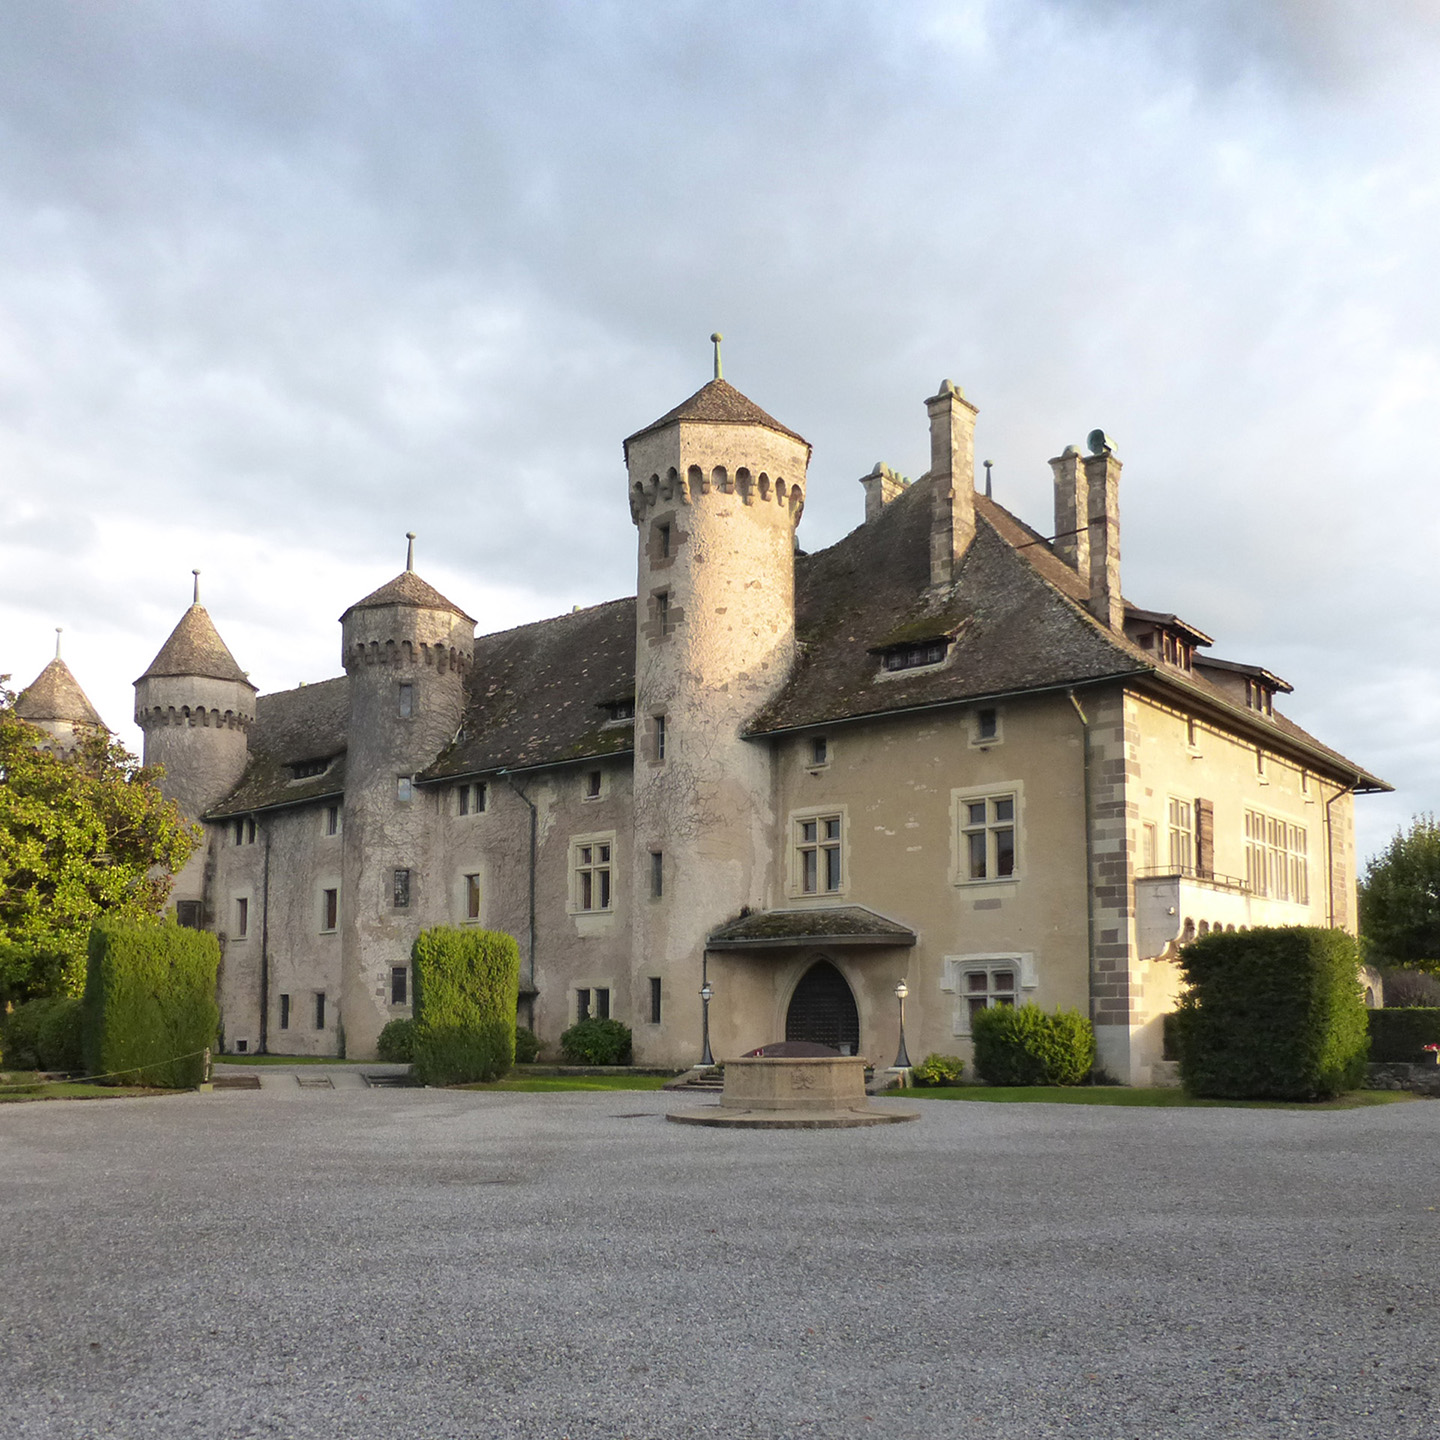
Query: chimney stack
(1102, 483)
(1072, 515)
(952, 478)
(882, 485)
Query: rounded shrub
(61, 1037)
(938, 1070)
(527, 1045)
(20, 1034)
(1025, 1046)
(597, 1042)
(396, 1045)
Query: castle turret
(716, 490)
(406, 649)
(195, 706)
(55, 703)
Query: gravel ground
(394, 1263)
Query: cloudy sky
(280, 282)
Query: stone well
(771, 1092)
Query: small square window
(242, 1047)
(402, 889)
(407, 701)
(404, 788)
(284, 1012)
(399, 984)
(187, 914)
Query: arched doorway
(822, 1010)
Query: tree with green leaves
(81, 836)
(1400, 899)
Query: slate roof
(718, 403)
(407, 588)
(536, 693)
(290, 726)
(831, 924)
(195, 648)
(55, 694)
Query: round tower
(716, 490)
(195, 705)
(407, 651)
(54, 703)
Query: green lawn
(574, 1082)
(21, 1085)
(1128, 1095)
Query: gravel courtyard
(404, 1263)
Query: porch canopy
(833, 925)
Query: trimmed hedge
(62, 1038)
(1402, 1035)
(467, 985)
(20, 1034)
(597, 1042)
(527, 1045)
(1272, 1014)
(396, 1045)
(149, 1008)
(938, 1070)
(1025, 1046)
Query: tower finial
(409, 549)
(988, 464)
(196, 574)
(59, 631)
(715, 340)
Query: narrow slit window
(592, 784)
(402, 889)
(657, 874)
(662, 612)
(330, 909)
(332, 819)
(284, 1012)
(319, 1009)
(399, 984)
(472, 897)
(407, 701)
(660, 737)
(242, 918)
(654, 999)
(404, 788)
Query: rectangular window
(407, 701)
(820, 751)
(659, 737)
(1277, 858)
(987, 837)
(662, 541)
(187, 914)
(472, 897)
(1191, 736)
(654, 999)
(602, 1004)
(987, 724)
(662, 612)
(401, 893)
(987, 988)
(592, 784)
(470, 799)
(241, 1047)
(319, 1009)
(582, 1005)
(1149, 847)
(404, 788)
(332, 819)
(284, 1012)
(592, 869)
(239, 832)
(242, 919)
(1182, 837)
(330, 910)
(818, 854)
(657, 874)
(399, 984)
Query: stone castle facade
(945, 749)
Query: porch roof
(815, 925)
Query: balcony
(1174, 907)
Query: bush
(1025, 1046)
(1272, 1014)
(527, 1045)
(20, 1034)
(467, 984)
(597, 1042)
(938, 1070)
(396, 1045)
(1410, 989)
(1170, 1031)
(1402, 1035)
(61, 1038)
(149, 1008)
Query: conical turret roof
(55, 694)
(719, 403)
(407, 588)
(195, 648)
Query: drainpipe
(1089, 853)
(534, 850)
(265, 951)
(1330, 852)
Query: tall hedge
(1025, 1046)
(1401, 1034)
(467, 985)
(1272, 1014)
(149, 1006)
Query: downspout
(534, 850)
(1330, 852)
(1089, 854)
(265, 951)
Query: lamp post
(902, 1058)
(707, 992)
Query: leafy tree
(1400, 899)
(80, 837)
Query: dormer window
(1259, 696)
(913, 657)
(304, 769)
(617, 710)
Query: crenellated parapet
(153, 717)
(754, 487)
(439, 656)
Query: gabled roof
(828, 925)
(1254, 672)
(718, 403)
(195, 648)
(1168, 621)
(55, 694)
(407, 588)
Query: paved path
(408, 1263)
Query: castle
(945, 750)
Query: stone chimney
(952, 477)
(1072, 528)
(1102, 483)
(882, 485)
